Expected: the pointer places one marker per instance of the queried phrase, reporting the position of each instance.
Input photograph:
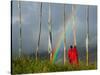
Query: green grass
(29, 65)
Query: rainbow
(61, 37)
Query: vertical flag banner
(50, 34)
(64, 38)
(39, 31)
(20, 26)
(87, 34)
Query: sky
(30, 12)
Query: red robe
(70, 55)
(75, 56)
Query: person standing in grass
(75, 56)
(70, 54)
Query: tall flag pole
(87, 34)
(64, 38)
(20, 32)
(74, 28)
(50, 35)
(39, 32)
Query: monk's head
(71, 46)
(74, 46)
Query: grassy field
(29, 65)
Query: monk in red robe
(75, 56)
(70, 54)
